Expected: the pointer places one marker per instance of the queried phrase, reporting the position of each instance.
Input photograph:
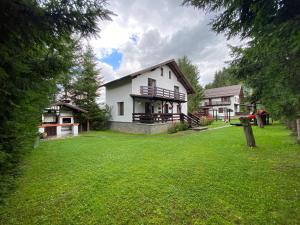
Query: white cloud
(164, 30)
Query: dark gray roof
(223, 91)
(173, 66)
(68, 105)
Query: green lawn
(205, 177)
(218, 123)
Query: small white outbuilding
(61, 119)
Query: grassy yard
(186, 178)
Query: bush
(182, 126)
(178, 127)
(172, 129)
(206, 120)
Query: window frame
(120, 108)
(69, 119)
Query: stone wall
(140, 128)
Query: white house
(61, 119)
(223, 101)
(146, 101)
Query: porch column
(58, 131)
(75, 129)
(151, 106)
(133, 105)
(133, 109)
(172, 109)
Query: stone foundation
(140, 128)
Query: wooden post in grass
(298, 129)
(260, 122)
(248, 131)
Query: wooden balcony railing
(161, 92)
(190, 119)
(155, 117)
(217, 103)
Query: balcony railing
(217, 103)
(161, 93)
(155, 117)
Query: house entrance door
(166, 109)
(148, 108)
(151, 86)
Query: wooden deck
(161, 93)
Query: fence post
(248, 131)
(259, 121)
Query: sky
(147, 32)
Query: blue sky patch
(114, 59)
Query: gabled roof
(223, 91)
(70, 106)
(173, 66)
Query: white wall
(48, 118)
(120, 93)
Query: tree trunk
(259, 121)
(248, 131)
(88, 125)
(298, 129)
(294, 127)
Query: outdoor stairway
(193, 121)
(199, 128)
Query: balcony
(216, 103)
(161, 93)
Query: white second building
(148, 100)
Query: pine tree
(86, 91)
(224, 77)
(192, 74)
(270, 62)
(34, 54)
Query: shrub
(206, 120)
(172, 129)
(182, 126)
(178, 127)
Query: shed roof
(173, 66)
(223, 91)
(68, 105)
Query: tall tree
(34, 53)
(270, 63)
(64, 84)
(86, 91)
(192, 74)
(224, 77)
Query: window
(176, 92)
(66, 120)
(221, 110)
(161, 71)
(176, 89)
(151, 82)
(169, 74)
(225, 99)
(178, 108)
(121, 108)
